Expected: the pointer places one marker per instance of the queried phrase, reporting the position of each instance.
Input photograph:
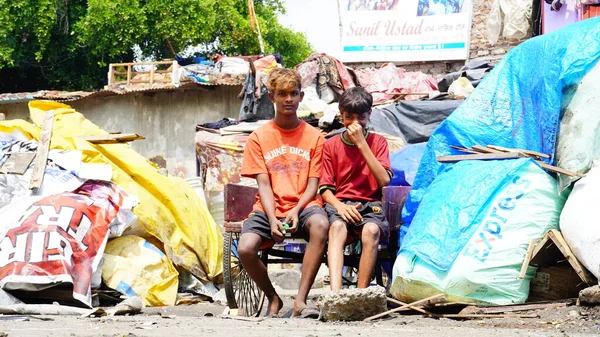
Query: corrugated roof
(116, 89)
(55, 95)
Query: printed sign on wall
(407, 30)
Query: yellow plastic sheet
(169, 209)
(136, 267)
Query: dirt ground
(203, 320)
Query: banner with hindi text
(407, 30)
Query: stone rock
(574, 314)
(483, 53)
(352, 304)
(590, 296)
(285, 278)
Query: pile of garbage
(83, 213)
(472, 223)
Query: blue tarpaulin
(517, 105)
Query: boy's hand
(276, 230)
(350, 213)
(292, 220)
(355, 133)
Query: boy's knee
(371, 233)
(337, 227)
(319, 225)
(246, 249)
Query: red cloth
(345, 172)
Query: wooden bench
(240, 289)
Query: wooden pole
(412, 307)
(41, 156)
(413, 304)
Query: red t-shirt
(345, 171)
(289, 157)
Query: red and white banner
(61, 238)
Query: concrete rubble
(352, 304)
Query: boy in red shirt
(356, 166)
(284, 156)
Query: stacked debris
(84, 213)
(493, 189)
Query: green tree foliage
(67, 44)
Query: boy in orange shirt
(356, 167)
(284, 156)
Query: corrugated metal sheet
(117, 89)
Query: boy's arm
(267, 199)
(355, 133)
(349, 213)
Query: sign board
(407, 30)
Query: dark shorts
(258, 223)
(371, 211)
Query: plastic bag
(461, 88)
(494, 23)
(579, 221)
(135, 267)
(472, 231)
(512, 18)
(578, 143)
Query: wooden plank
(459, 316)
(559, 170)
(527, 259)
(239, 201)
(41, 156)
(17, 162)
(139, 63)
(560, 242)
(412, 307)
(233, 227)
(128, 75)
(483, 149)
(462, 149)
(471, 310)
(527, 152)
(440, 297)
(111, 74)
(481, 156)
(113, 138)
(151, 75)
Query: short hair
(284, 79)
(356, 101)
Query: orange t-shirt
(289, 157)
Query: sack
(579, 221)
(578, 143)
(135, 267)
(471, 233)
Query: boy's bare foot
(275, 304)
(302, 310)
